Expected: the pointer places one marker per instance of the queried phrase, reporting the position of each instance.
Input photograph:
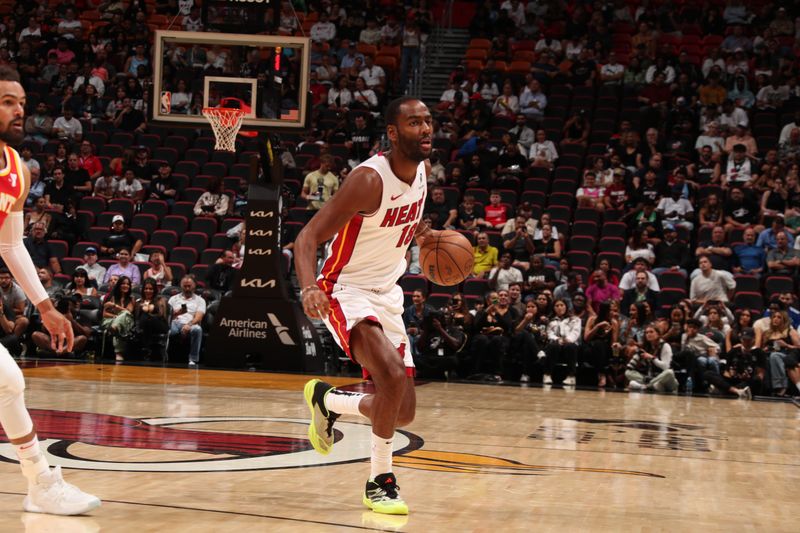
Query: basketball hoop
(225, 122)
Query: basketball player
(372, 219)
(47, 490)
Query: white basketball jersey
(369, 252)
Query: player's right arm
(360, 193)
(19, 262)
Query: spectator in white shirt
(69, 27)
(373, 75)
(612, 72)
(390, 32)
(516, 11)
(193, 21)
(371, 34)
(507, 104)
(504, 273)
(323, 30)
(677, 210)
(130, 187)
(32, 31)
(548, 43)
(543, 152)
(327, 71)
(67, 127)
(786, 131)
(772, 96)
(732, 116)
(710, 284)
(711, 138)
(188, 310)
(87, 77)
(449, 94)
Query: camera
(427, 324)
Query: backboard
(266, 75)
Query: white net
(226, 123)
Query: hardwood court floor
(178, 450)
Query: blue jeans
(410, 58)
(708, 363)
(195, 338)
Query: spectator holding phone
(188, 310)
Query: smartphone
(183, 308)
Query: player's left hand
(61, 336)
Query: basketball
(447, 258)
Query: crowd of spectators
(628, 174)
(586, 148)
(122, 199)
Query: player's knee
(396, 373)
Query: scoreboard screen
(239, 16)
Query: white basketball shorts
(350, 305)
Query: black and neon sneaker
(320, 430)
(382, 495)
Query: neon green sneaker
(382, 495)
(320, 430)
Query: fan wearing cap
(95, 270)
(119, 237)
(739, 169)
(671, 254)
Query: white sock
(343, 402)
(31, 459)
(381, 456)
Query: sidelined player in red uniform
(372, 220)
(47, 490)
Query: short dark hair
(694, 323)
(4, 270)
(9, 74)
(393, 109)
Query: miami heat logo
(62, 432)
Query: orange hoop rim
(226, 115)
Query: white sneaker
(192, 364)
(52, 495)
(569, 381)
(547, 380)
(540, 354)
(635, 385)
(524, 378)
(745, 394)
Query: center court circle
(353, 447)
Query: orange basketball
(447, 258)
